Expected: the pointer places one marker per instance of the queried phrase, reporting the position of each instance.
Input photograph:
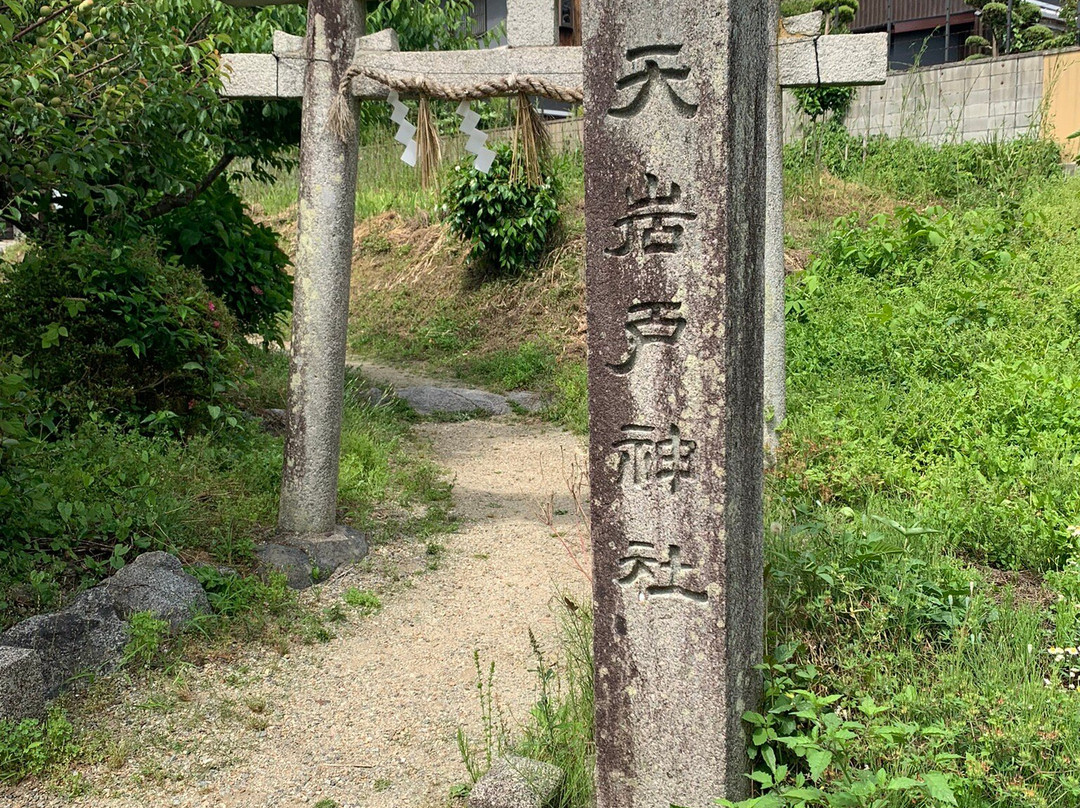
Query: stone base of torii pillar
(310, 68)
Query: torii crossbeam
(311, 68)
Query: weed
(313, 629)
(478, 755)
(147, 639)
(460, 791)
(560, 726)
(363, 599)
(434, 551)
(326, 803)
(527, 366)
(31, 748)
(335, 614)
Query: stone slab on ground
(88, 635)
(22, 684)
(156, 583)
(453, 400)
(517, 782)
(305, 558)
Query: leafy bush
(509, 223)
(885, 243)
(819, 102)
(116, 324)
(17, 400)
(240, 260)
(114, 106)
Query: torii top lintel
(805, 60)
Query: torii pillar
(322, 268)
(322, 272)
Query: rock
(157, 583)
(517, 782)
(292, 561)
(326, 553)
(22, 684)
(530, 402)
(300, 557)
(86, 636)
(453, 400)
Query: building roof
(875, 14)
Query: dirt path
(369, 719)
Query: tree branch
(177, 201)
(31, 28)
(191, 40)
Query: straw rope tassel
(429, 151)
(530, 142)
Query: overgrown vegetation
(971, 174)
(135, 410)
(423, 301)
(924, 511)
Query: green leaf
(818, 760)
(804, 793)
(937, 787)
(902, 784)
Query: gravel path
(370, 718)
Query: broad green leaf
(818, 760)
(937, 787)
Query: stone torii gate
(312, 68)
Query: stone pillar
(323, 266)
(675, 131)
(775, 325)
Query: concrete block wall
(983, 100)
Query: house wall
(1061, 82)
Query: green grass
(383, 183)
(931, 442)
(210, 498)
(933, 376)
(363, 599)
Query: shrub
(240, 260)
(509, 222)
(115, 324)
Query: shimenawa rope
(343, 122)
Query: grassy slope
(930, 444)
